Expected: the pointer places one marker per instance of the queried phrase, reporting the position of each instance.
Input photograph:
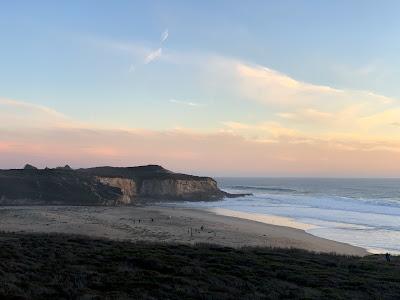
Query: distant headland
(104, 186)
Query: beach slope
(164, 224)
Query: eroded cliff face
(162, 189)
(180, 188)
(127, 186)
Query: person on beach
(387, 256)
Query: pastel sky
(238, 88)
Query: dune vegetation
(38, 266)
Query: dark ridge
(53, 187)
(140, 172)
(29, 167)
(66, 167)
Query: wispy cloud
(130, 48)
(187, 103)
(141, 52)
(152, 56)
(308, 115)
(31, 107)
(164, 35)
(16, 114)
(156, 54)
(373, 71)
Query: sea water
(361, 212)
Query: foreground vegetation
(76, 267)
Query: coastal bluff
(103, 186)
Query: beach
(167, 224)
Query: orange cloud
(218, 153)
(265, 148)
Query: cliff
(181, 188)
(126, 186)
(103, 186)
(153, 182)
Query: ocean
(360, 212)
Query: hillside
(72, 267)
(103, 186)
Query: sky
(220, 88)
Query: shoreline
(289, 222)
(262, 218)
(274, 222)
(160, 223)
(286, 222)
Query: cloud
(302, 121)
(18, 114)
(237, 125)
(308, 115)
(381, 122)
(371, 72)
(271, 87)
(264, 148)
(307, 107)
(274, 132)
(141, 53)
(347, 72)
(31, 107)
(187, 103)
(152, 56)
(274, 88)
(129, 48)
(262, 130)
(164, 35)
(310, 108)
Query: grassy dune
(76, 267)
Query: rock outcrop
(66, 167)
(127, 187)
(180, 188)
(156, 183)
(103, 186)
(29, 167)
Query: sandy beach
(164, 224)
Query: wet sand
(164, 224)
